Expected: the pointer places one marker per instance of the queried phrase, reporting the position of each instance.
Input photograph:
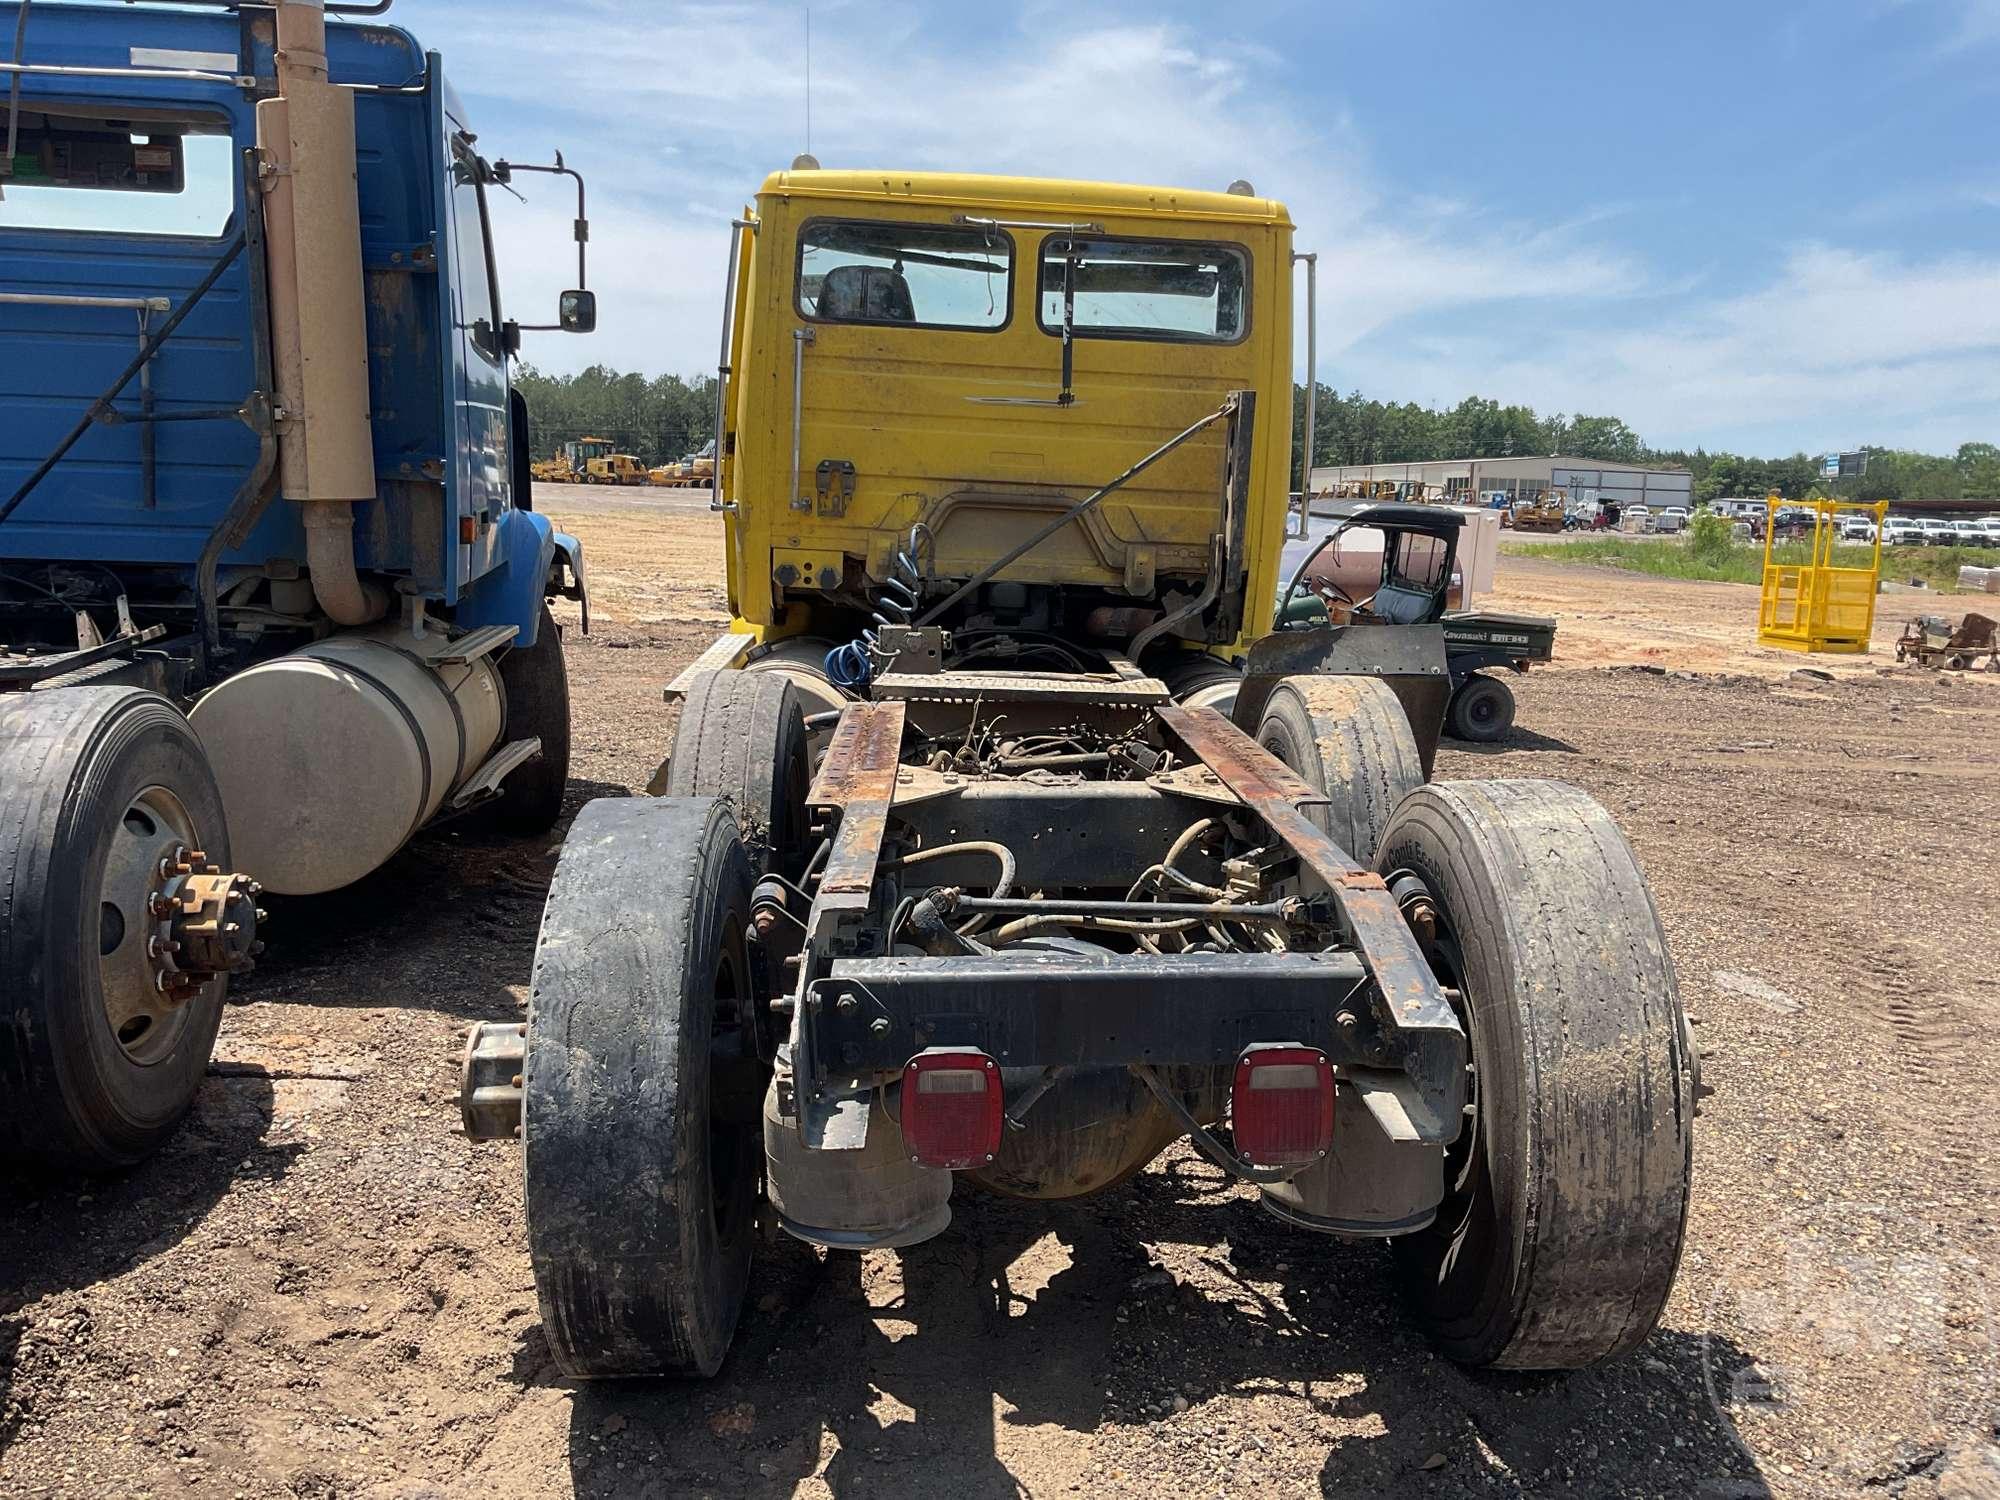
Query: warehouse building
(1476, 481)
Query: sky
(1761, 226)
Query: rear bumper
(870, 1016)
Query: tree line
(656, 419)
(1353, 429)
(663, 417)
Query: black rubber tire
(742, 735)
(536, 680)
(640, 1205)
(1566, 1203)
(71, 761)
(1186, 673)
(1350, 738)
(1481, 711)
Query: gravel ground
(321, 1289)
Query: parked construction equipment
(615, 468)
(571, 462)
(1003, 845)
(1548, 511)
(271, 587)
(695, 471)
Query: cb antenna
(805, 161)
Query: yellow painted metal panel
(929, 420)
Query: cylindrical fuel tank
(331, 757)
(872, 1199)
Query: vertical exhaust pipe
(319, 324)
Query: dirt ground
(322, 1289)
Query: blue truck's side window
(479, 309)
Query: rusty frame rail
(1412, 1006)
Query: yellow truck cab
(897, 359)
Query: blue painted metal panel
(511, 592)
(438, 383)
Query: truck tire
(1481, 711)
(101, 783)
(640, 1195)
(1566, 1196)
(536, 680)
(1349, 738)
(742, 736)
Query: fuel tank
(329, 758)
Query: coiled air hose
(853, 665)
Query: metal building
(1477, 480)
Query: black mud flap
(1409, 658)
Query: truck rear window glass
(1146, 289)
(920, 275)
(127, 176)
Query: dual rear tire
(642, 1182)
(1566, 1195)
(643, 1084)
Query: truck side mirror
(577, 312)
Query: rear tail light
(952, 1106)
(1281, 1105)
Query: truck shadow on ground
(468, 933)
(1037, 1347)
(1515, 739)
(62, 1233)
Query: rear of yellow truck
(999, 846)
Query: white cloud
(1838, 348)
(683, 128)
(684, 109)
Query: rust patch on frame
(858, 777)
(1411, 998)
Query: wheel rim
(153, 830)
(1437, 939)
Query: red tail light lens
(1281, 1105)
(952, 1106)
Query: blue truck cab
(273, 591)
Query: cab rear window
(145, 174)
(915, 275)
(1167, 290)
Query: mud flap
(1409, 658)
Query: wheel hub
(170, 923)
(205, 925)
